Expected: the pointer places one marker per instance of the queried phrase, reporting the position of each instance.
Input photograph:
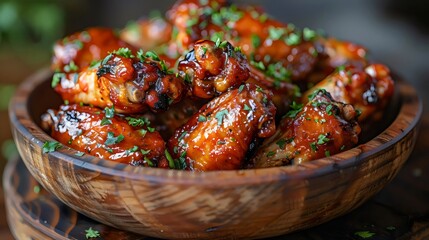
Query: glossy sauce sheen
(131, 86)
(82, 128)
(214, 68)
(322, 128)
(85, 47)
(219, 135)
(368, 89)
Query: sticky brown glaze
(261, 38)
(322, 127)
(130, 85)
(77, 51)
(368, 90)
(95, 132)
(283, 92)
(335, 53)
(147, 34)
(213, 68)
(219, 135)
(177, 115)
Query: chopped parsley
(247, 108)
(109, 112)
(71, 67)
(308, 34)
(56, 78)
(79, 154)
(111, 139)
(256, 41)
(152, 55)
(293, 39)
(105, 121)
(329, 109)
(51, 146)
(91, 233)
(36, 189)
(137, 122)
(275, 33)
(182, 136)
(364, 234)
(327, 153)
(313, 146)
(270, 154)
(241, 88)
(145, 152)
(169, 159)
(220, 116)
(315, 93)
(322, 139)
(282, 142)
(202, 118)
(295, 109)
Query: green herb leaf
(71, 67)
(109, 112)
(79, 154)
(293, 39)
(152, 55)
(256, 41)
(364, 234)
(137, 122)
(124, 52)
(295, 109)
(105, 121)
(111, 139)
(51, 146)
(220, 116)
(275, 33)
(247, 108)
(169, 159)
(57, 78)
(322, 139)
(202, 118)
(36, 189)
(308, 34)
(241, 88)
(270, 154)
(145, 152)
(313, 146)
(91, 233)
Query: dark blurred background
(396, 32)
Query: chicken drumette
(103, 134)
(322, 127)
(219, 135)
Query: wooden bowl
(224, 204)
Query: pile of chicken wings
(213, 86)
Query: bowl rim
(408, 118)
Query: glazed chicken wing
(322, 127)
(122, 81)
(106, 135)
(219, 135)
(368, 90)
(291, 52)
(79, 50)
(147, 34)
(213, 68)
(335, 53)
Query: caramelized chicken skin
(322, 127)
(79, 50)
(262, 39)
(219, 135)
(147, 34)
(368, 90)
(122, 81)
(213, 68)
(105, 135)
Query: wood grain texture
(228, 204)
(39, 215)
